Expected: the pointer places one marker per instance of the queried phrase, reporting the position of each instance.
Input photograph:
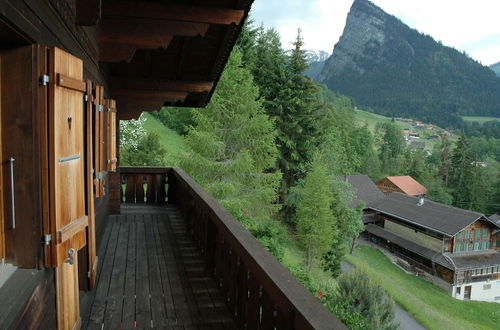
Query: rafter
(169, 11)
(162, 85)
(88, 12)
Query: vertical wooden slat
(139, 188)
(130, 188)
(151, 189)
(253, 307)
(268, 312)
(102, 141)
(89, 177)
(2, 240)
(242, 295)
(160, 188)
(97, 139)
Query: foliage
(178, 119)
(233, 146)
(391, 145)
(433, 307)
(137, 147)
(367, 297)
(314, 217)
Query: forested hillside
(383, 64)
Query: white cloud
(457, 23)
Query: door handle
(12, 192)
(71, 256)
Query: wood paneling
(20, 130)
(111, 134)
(2, 239)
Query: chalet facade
(458, 249)
(402, 184)
(87, 243)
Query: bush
(357, 292)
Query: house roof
(417, 145)
(495, 218)
(445, 219)
(364, 189)
(408, 185)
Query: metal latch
(100, 108)
(86, 97)
(71, 256)
(47, 238)
(44, 80)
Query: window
(484, 245)
(459, 288)
(477, 233)
(476, 246)
(458, 247)
(486, 286)
(459, 235)
(467, 234)
(485, 233)
(466, 247)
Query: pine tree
(461, 176)
(233, 143)
(314, 215)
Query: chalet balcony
(175, 258)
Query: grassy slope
(480, 120)
(172, 142)
(430, 305)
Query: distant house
(405, 132)
(446, 133)
(414, 145)
(414, 135)
(458, 249)
(434, 137)
(403, 184)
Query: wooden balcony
(175, 258)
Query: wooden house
(85, 243)
(402, 184)
(456, 247)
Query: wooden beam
(162, 85)
(110, 52)
(88, 12)
(148, 95)
(169, 11)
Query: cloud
(460, 24)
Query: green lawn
(480, 120)
(430, 305)
(372, 119)
(172, 142)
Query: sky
(470, 26)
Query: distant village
(455, 249)
(420, 130)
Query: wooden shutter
(67, 180)
(111, 134)
(89, 179)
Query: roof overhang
(163, 53)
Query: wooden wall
(411, 234)
(50, 23)
(387, 186)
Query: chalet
(87, 243)
(414, 136)
(434, 137)
(456, 249)
(403, 184)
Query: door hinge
(86, 97)
(88, 274)
(47, 238)
(44, 80)
(100, 108)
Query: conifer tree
(461, 176)
(233, 143)
(314, 214)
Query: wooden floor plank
(128, 316)
(103, 281)
(153, 275)
(143, 303)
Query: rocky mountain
(496, 67)
(316, 60)
(385, 65)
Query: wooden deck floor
(152, 276)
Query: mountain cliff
(385, 65)
(316, 61)
(496, 67)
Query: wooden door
(66, 166)
(467, 292)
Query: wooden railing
(143, 185)
(259, 292)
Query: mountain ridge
(385, 65)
